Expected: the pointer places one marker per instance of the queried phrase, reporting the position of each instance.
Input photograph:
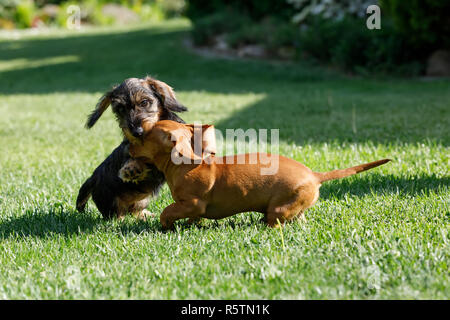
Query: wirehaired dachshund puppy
(133, 102)
(206, 186)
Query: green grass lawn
(380, 235)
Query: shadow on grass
(367, 184)
(357, 186)
(46, 222)
(132, 226)
(239, 221)
(98, 61)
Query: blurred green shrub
(239, 29)
(425, 23)
(226, 21)
(29, 13)
(254, 9)
(41, 3)
(349, 45)
(24, 13)
(91, 13)
(330, 31)
(172, 8)
(7, 9)
(329, 9)
(149, 10)
(271, 32)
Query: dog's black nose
(138, 132)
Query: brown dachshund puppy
(218, 187)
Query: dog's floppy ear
(102, 105)
(184, 148)
(203, 141)
(166, 94)
(208, 139)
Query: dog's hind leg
(286, 208)
(85, 193)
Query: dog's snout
(138, 132)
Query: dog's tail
(85, 193)
(338, 174)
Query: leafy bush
(24, 14)
(410, 31)
(29, 13)
(172, 8)
(329, 9)
(425, 23)
(349, 45)
(218, 23)
(156, 9)
(6, 8)
(333, 32)
(91, 13)
(254, 9)
(271, 32)
(239, 30)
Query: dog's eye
(144, 103)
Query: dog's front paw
(127, 174)
(133, 171)
(144, 215)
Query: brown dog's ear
(166, 94)
(206, 145)
(102, 105)
(209, 140)
(184, 147)
(208, 135)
